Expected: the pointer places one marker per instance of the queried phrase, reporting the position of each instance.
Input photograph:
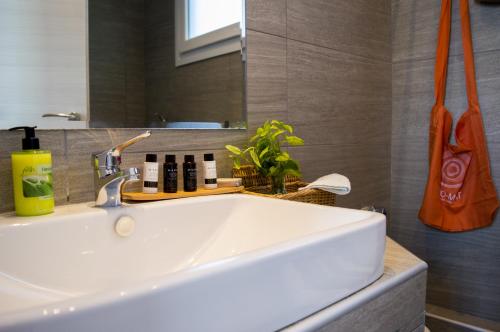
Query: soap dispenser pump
(32, 177)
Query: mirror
(123, 64)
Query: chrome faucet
(109, 179)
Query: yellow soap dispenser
(32, 177)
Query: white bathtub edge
(336, 310)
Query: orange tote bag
(460, 194)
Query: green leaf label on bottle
(37, 182)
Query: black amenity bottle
(189, 168)
(170, 174)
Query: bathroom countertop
(399, 266)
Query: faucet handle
(117, 150)
(108, 162)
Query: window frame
(225, 40)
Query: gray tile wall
(116, 63)
(464, 269)
(315, 71)
(309, 64)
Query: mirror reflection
(123, 64)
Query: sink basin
(215, 263)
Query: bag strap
(442, 52)
(470, 72)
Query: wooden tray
(139, 196)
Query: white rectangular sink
(220, 263)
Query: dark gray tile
(267, 16)
(440, 313)
(84, 142)
(266, 80)
(366, 165)
(356, 27)
(135, 115)
(444, 326)
(211, 90)
(116, 60)
(80, 178)
(415, 25)
(331, 93)
(413, 94)
(179, 140)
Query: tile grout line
(373, 60)
(408, 60)
(391, 35)
(66, 161)
(286, 63)
(265, 32)
(222, 148)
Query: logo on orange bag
(453, 173)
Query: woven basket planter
(256, 184)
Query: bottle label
(171, 175)
(190, 174)
(150, 172)
(190, 179)
(210, 170)
(37, 182)
(170, 181)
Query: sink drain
(125, 226)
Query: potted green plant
(265, 153)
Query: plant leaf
(233, 149)
(237, 163)
(283, 156)
(288, 128)
(265, 128)
(263, 152)
(276, 134)
(255, 158)
(294, 140)
(262, 144)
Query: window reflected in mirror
(123, 64)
